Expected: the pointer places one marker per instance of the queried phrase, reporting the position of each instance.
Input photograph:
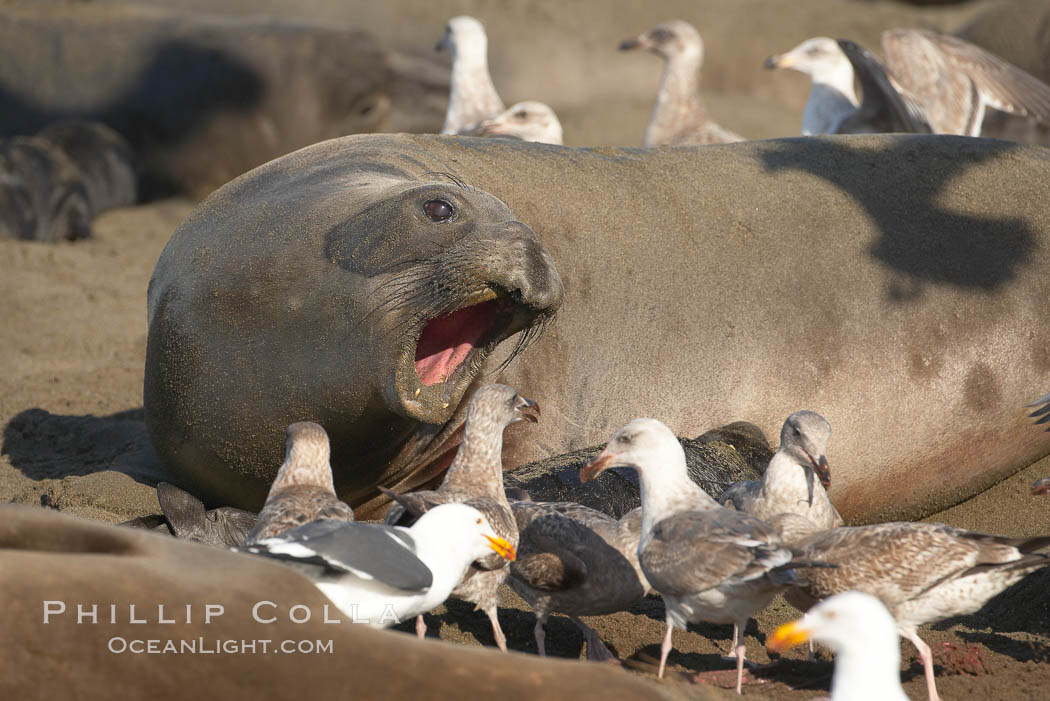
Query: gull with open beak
(475, 477)
(863, 636)
(709, 563)
(789, 482)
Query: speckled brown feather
(950, 78)
(907, 565)
(303, 490)
(475, 477)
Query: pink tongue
(447, 341)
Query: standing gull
(943, 82)
(789, 482)
(679, 117)
(475, 477)
(833, 107)
(303, 490)
(472, 96)
(381, 575)
(528, 121)
(863, 636)
(922, 572)
(576, 561)
(708, 563)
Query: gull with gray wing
(930, 82)
(709, 563)
(382, 575)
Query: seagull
(577, 561)
(930, 82)
(303, 490)
(475, 477)
(1043, 410)
(381, 575)
(679, 116)
(472, 96)
(788, 484)
(1041, 487)
(863, 636)
(709, 563)
(528, 121)
(922, 572)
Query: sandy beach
(74, 320)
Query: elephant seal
(893, 284)
(203, 98)
(220, 617)
(105, 159)
(399, 281)
(43, 194)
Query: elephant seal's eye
(438, 210)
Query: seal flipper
(185, 512)
(188, 520)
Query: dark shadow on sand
(42, 445)
(918, 238)
(178, 94)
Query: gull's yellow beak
(787, 636)
(502, 547)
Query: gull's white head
(463, 34)
(863, 636)
(815, 57)
(464, 525)
(644, 444)
(804, 438)
(528, 121)
(847, 621)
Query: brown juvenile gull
(472, 96)
(303, 491)
(945, 82)
(922, 572)
(709, 563)
(475, 477)
(863, 636)
(528, 121)
(577, 561)
(679, 116)
(788, 484)
(381, 575)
